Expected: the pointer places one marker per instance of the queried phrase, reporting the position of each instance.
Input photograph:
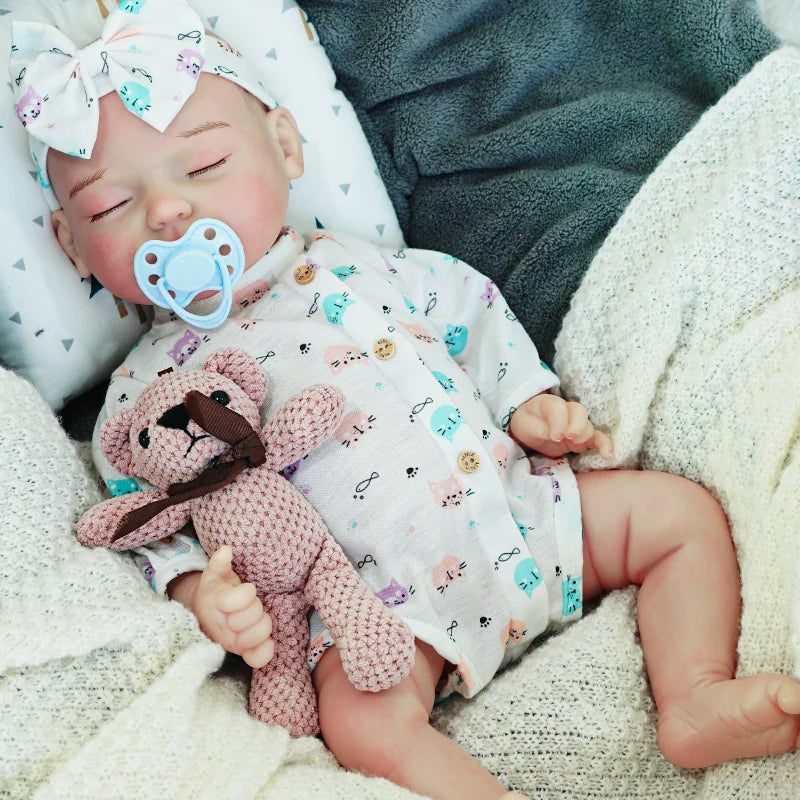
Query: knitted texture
(279, 542)
(684, 342)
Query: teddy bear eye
(144, 437)
(220, 397)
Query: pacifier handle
(212, 320)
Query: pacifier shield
(208, 257)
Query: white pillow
(66, 334)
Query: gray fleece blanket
(513, 133)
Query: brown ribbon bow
(222, 423)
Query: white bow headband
(150, 51)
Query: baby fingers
(578, 428)
(254, 636)
(236, 598)
(603, 443)
(248, 617)
(259, 656)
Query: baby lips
(208, 258)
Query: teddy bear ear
(115, 439)
(242, 369)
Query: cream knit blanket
(683, 340)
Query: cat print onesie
(477, 546)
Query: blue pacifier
(208, 258)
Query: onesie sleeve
(481, 333)
(160, 561)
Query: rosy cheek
(110, 259)
(257, 216)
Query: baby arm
(228, 610)
(553, 426)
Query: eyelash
(194, 174)
(102, 214)
(202, 171)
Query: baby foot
(754, 716)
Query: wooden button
(468, 461)
(304, 274)
(383, 348)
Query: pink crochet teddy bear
(196, 436)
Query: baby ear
(242, 369)
(66, 240)
(115, 440)
(286, 133)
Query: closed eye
(102, 214)
(203, 170)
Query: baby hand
(230, 613)
(552, 426)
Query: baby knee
(372, 733)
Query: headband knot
(94, 59)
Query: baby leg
(671, 537)
(387, 733)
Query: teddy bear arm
(98, 526)
(302, 423)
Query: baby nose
(166, 209)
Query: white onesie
(474, 544)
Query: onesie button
(304, 274)
(468, 461)
(383, 348)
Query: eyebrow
(84, 182)
(203, 127)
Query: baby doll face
(223, 156)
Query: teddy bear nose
(176, 417)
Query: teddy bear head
(158, 440)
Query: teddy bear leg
(281, 693)
(376, 646)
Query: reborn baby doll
(195, 436)
(430, 486)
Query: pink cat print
(448, 492)
(339, 356)
(352, 427)
(513, 632)
(445, 573)
(419, 333)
